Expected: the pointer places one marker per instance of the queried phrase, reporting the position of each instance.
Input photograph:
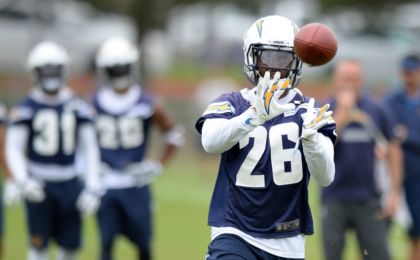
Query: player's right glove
(266, 101)
(12, 193)
(33, 190)
(146, 172)
(88, 202)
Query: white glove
(147, 171)
(33, 190)
(12, 193)
(88, 202)
(265, 102)
(314, 119)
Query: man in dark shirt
(405, 103)
(364, 130)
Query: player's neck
(121, 91)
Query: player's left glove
(146, 172)
(12, 193)
(314, 119)
(265, 102)
(88, 202)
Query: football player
(45, 130)
(125, 115)
(11, 191)
(272, 139)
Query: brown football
(315, 44)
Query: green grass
(182, 197)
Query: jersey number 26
(279, 156)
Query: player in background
(405, 103)
(272, 139)
(125, 115)
(45, 130)
(352, 201)
(11, 194)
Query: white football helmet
(116, 60)
(48, 63)
(268, 46)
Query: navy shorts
(57, 216)
(127, 212)
(413, 203)
(232, 247)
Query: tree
(152, 14)
(376, 13)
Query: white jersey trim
(117, 180)
(51, 172)
(290, 247)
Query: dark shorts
(232, 247)
(56, 217)
(413, 203)
(127, 212)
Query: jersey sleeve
(329, 130)
(85, 113)
(221, 107)
(21, 115)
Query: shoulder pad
(80, 107)
(20, 113)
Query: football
(315, 44)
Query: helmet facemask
(273, 58)
(50, 78)
(120, 76)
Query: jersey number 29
(125, 132)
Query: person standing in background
(125, 114)
(405, 103)
(352, 201)
(11, 191)
(45, 130)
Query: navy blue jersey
(123, 135)
(262, 185)
(52, 126)
(355, 154)
(407, 113)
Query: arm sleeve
(16, 141)
(220, 134)
(319, 155)
(89, 145)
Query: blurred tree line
(152, 14)
(377, 14)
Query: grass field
(182, 197)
